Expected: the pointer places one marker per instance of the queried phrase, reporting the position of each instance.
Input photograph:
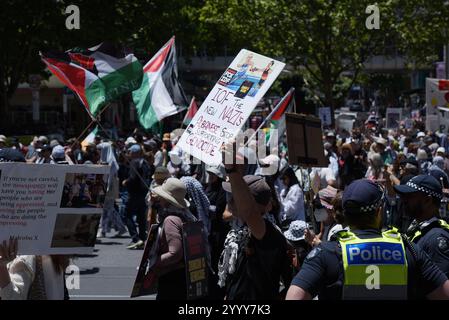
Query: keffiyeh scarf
(236, 241)
(199, 197)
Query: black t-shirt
(260, 267)
(139, 170)
(435, 243)
(322, 272)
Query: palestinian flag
(276, 118)
(89, 139)
(97, 75)
(160, 94)
(193, 108)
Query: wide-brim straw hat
(174, 191)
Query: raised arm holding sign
(228, 105)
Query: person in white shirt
(332, 157)
(323, 177)
(291, 198)
(28, 277)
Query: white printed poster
(437, 95)
(228, 105)
(51, 209)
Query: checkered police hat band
(373, 206)
(425, 190)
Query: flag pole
(188, 109)
(94, 120)
(126, 159)
(276, 108)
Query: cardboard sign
(393, 116)
(228, 105)
(50, 208)
(146, 279)
(195, 256)
(304, 141)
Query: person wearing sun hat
(422, 198)
(388, 155)
(173, 213)
(338, 269)
(160, 175)
(254, 257)
(441, 151)
(295, 235)
(324, 215)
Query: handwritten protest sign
(51, 209)
(229, 105)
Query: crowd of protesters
(262, 219)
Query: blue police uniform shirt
(435, 243)
(322, 273)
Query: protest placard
(228, 105)
(146, 279)
(393, 116)
(437, 95)
(51, 209)
(304, 141)
(194, 243)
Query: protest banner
(228, 105)
(393, 116)
(146, 279)
(304, 141)
(437, 95)
(51, 209)
(195, 257)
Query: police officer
(422, 198)
(365, 263)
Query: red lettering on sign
(443, 85)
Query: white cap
(441, 149)
(269, 165)
(380, 140)
(130, 140)
(420, 134)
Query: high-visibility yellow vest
(374, 268)
(419, 233)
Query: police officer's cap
(362, 196)
(421, 183)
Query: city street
(109, 273)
